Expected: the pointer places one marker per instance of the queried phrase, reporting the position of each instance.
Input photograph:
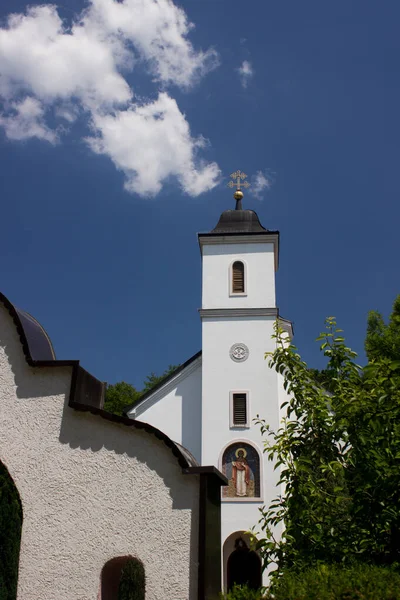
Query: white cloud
(47, 65)
(67, 111)
(151, 143)
(26, 120)
(261, 183)
(246, 72)
(158, 30)
(39, 55)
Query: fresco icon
(241, 466)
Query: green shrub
(10, 535)
(240, 592)
(132, 585)
(361, 582)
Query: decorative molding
(237, 312)
(250, 238)
(239, 352)
(240, 500)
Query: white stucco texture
(259, 263)
(176, 408)
(90, 489)
(221, 375)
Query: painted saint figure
(241, 465)
(241, 472)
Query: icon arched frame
(238, 442)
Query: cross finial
(240, 183)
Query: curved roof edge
(34, 338)
(239, 221)
(184, 457)
(87, 392)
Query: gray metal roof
(239, 221)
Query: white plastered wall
(222, 375)
(175, 408)
(259, 262)
(262, 383)
(90, 489)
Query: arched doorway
(242, 566)
(122, 578)
(10, 534)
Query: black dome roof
(238, 221)
(36, 343)
(39, 343)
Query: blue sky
(113, 272)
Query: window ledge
(237, 499)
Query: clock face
(239, 352)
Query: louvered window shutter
(238, 277)
(240, 409)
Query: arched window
(238, 278)
(241, 466)
(10, 534)
(122, 578)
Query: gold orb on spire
(240, 183)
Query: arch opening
(122, 578)
(242, 566)
(10, 534)
(238, 278)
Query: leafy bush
(132, 585)
(243, 593)
(361, 582)
(338, 459)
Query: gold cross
(240, 177)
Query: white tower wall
(248, 319)
(259, 261)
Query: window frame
(231, 292)
(232, 424)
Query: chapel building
(209, 403)
(84, 493)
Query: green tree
(122, 394)
(152, 380)
(383, 340)
(338, 454)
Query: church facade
(210, 402)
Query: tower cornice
(212, 313)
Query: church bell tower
(238, 313)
